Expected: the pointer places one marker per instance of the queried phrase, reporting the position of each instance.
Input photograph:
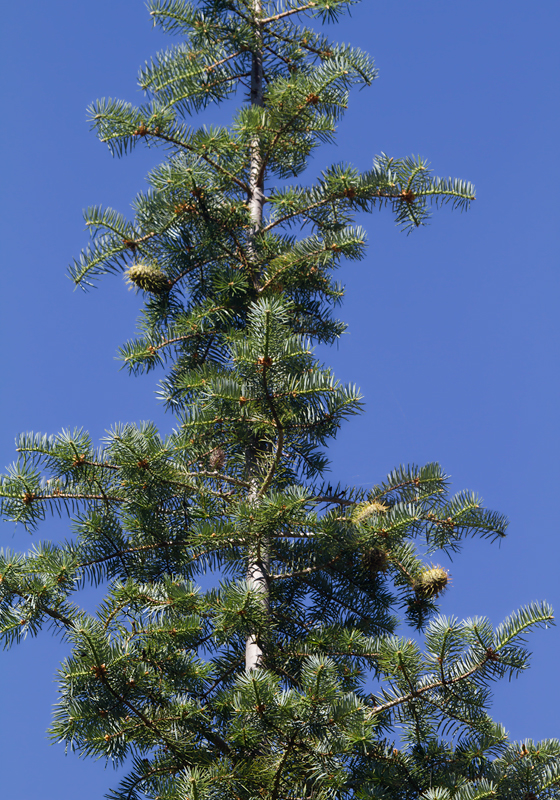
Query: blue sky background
(454, 330)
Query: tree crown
(286, 678)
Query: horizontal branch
(430, 687)
(50, 612)
(284, 14)
(305, 571)
(156, 134)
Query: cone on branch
(432, 582)
(376, 560)
(217, 459)
(148, 278)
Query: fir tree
(287, 678)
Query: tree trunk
(257, 571)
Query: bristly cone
(375, 560)
(365, 510)
(149, 279)
(217, 458)
(431, 583)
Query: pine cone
(217, 459)
(150, 279)
(375, 560)
(431, 582)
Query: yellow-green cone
(431, 582)
(150, 279)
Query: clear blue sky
(454, 330)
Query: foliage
(286, 678)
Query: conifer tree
(287, 677)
